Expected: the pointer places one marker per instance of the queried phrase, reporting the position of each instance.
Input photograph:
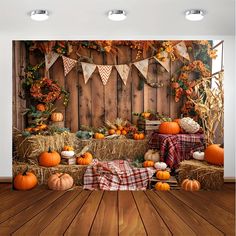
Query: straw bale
(211, 177)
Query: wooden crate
(149, 125)
(172, 181)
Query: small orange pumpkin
(41, 107)
(111, 131)
(99, 136)
(85, 159)
(60, 181)
(25, 181)
(162, 186)
(148, 163)
(42, 126)
(49, 158)
(139, 136)
(214, 154)
(169, 127)
(119, 127)
(145, 115)
(123, 132)
(190, 185)
(68, 148)
(163, 174)
(57, 116)
(118, 132)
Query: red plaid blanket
(176, 148)
(116, 175)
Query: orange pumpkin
(214, 154)
(49, 158)
(99, 136)
(60, 181)
(162, 186)
(118, 132)
(148, 163)
(190, 185)
(42, 126)
(85, 159)
(57, 116)
(145, 115)
(68, 148)
(163, 174)
(41, 107)
(29, 129)
(111, 131)
(169, 127)
(25, 181)
(139, 136)
(119, 127)
(123, 132)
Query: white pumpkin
(152, 155)
(67, 153)
(60, 181)
(160, 165)
(199, 155)
(189, 125)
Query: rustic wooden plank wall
(92, 103)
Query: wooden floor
(78, 212)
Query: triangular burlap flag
(88, 70)
(142, 66)
(69, 64)
(123, 71)
(165, 63)
(50, 59)
(104, 72)
(181, 50)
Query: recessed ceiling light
(39, 15)
(117, 15)
(194, 15)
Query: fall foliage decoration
(85, 159)
(49, 158)
(60, 181)
(162, 174)
(41, 107)
(25, 181)
(190, 185)
(214, 154)
(169, 127)
(162, 186)
(148, 163)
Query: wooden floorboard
(79, 212)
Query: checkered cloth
(176, 148)
(116, 175)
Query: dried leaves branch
(209, 103)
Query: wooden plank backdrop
(92, 103)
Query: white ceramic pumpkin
(67, 153)
(152, 155)
(199, 155)
(60, 181)
(160, 165)
(189, 125)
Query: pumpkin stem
(26, 169)
(49, 149)
(222, 145)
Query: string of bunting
(123, 69)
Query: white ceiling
(81, 19)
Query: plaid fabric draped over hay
(116, 175)
(176, 148)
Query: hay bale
(211, 177)
(43, 173)
(31, 147)
(102, 149)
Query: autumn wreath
(45, 90)
(183, 85)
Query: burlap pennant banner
(69, 64)
(50, 59)
(181, 50)
(165, 63)
(123, 71)
(142, 66)
(105, 72)
(88, 70)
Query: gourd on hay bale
(31, 147)
(43, 173)
(211, 177)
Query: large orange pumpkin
(85, 159)
(57, 116)
(190, 185)
(25, 181)
(49, 158)
(163, 174)
(214, 154)
(169, 127)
